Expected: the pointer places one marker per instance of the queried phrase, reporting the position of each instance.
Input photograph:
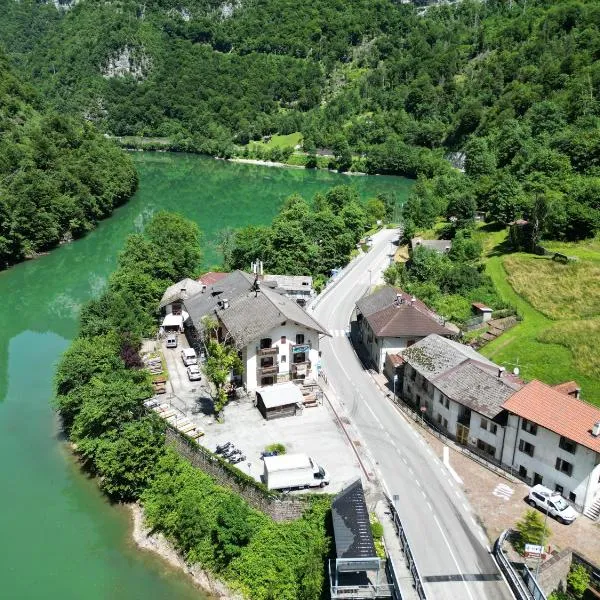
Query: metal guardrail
(524, 585)
(408, 555)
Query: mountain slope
(58, 176)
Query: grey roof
(351, 525)
(439, 245)
(377, 301)
(205, 303)
(291, 283)
(462, 374)
(478, 387)
(281, 394)
(253, 314)
(179, 291)
(435, 355)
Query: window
(572, 496)
(522, 472)
(559, 489)
(564, 467)
(410, 343)
(299, 338)
(493, 428)
(529, 427)
(413, 374)
(445, 423)
(487, 448)
(283, 340)
(439, 419)
(567, 444)
(526, 447)
(483, 424)
(283, 358)
(265, 343)
(447, 403)
(442, 399)
(537, 479)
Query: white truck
(293, 471)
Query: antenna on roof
(516, 371)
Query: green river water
(59, 538)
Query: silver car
(193, 373)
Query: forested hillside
(515, 84)
(58, 176)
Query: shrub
(531, 530)
(277, 447)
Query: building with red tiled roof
(569, 387)
(553, 438)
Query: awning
(172, 320)
(281, 394)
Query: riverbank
(270, 163)
(146, 539)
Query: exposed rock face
(64, 4)
(130, 61)
(227, 9)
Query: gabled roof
(440, 246)
(435, 355)
(399, 320)
(568, 387)
(252, 315)
(228, 287)
(351, 525)
(180, 290)
(385, 297)
(556, 411)
(462, 374)
(291, 283)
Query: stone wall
(553, 573)
(271, 503)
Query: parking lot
(313, 430)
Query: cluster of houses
(261, 315)
(544, 434)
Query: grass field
(557, 349)
(281, 141)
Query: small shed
(483, 311)
(280, 400)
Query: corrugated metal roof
(351, 525)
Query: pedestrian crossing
(339, 332)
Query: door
(537, 478)
(462, 434)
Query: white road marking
(452, 555)
(424, 494)
(465, 507)
(457, 493)
(503, 491)
(446, 455)
(418, 483)
(429, 506)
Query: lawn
(550, 350)
(281, 141)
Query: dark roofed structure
(399, 320)
(351, 525)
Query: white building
(389, 320)
(461, 391)
(277, 339)
(553, 438)
(541, 433)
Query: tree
(375, 210)
(221, 362)
(578, 580)
(233, 530)
(532, 530)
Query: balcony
(268, 370)
(268, 351)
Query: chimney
(225, 303)
(596, 429)
(413, 300)
(399, 299)
(183, 293)
(203, 288)
(500, 371)
(575, 393)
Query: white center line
(452, 555)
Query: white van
(188, 355)
(171, 340)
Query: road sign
(533, 550)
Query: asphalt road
(449, 547)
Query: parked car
(172, 340)
(188, 355)
(194, 373)
(553, 503)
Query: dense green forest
(100, 390)
(58, 175)
(386, 87)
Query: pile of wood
(175, 418)
(153, 364)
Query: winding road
(450, 548)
